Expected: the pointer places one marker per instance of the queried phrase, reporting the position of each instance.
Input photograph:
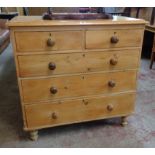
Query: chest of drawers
(75, 71)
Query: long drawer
(72, 111)
(54, 64)
(47, 41)
(111, 38)
(77, 85)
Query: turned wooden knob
(52, 66)
(53, 90)
(54, 115)
(110, 107)
(111, 84)
(113, 61)
(50, 42)
(114, 39)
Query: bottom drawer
(72, 111)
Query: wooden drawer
(77, 85)
(46, 41)
(72, 111)
(45, 65)
(121, 38)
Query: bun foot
(34, 135)
(124, 121)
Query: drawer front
(77, 85)
(72, 111)
(46, 41)
(113, 38)
(45, 65)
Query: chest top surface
(22, 21)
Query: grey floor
(105, 133)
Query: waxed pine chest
(75, 71)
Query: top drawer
(111, 38)
(46, 41)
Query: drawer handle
(111, 84)
(113, 62)
(114, 39)
(110, 107)
(52, 66)
(50, 42)
(53, 90)
(54, 115)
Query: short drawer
(55, 64)
(73, 111)
(77, 85)
(113, 38)
(47, 41)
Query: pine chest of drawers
(75, 70)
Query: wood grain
(77, 85)
(71, 111)
(37, 65)
(26, 21)
(102, 39)
(37, 41)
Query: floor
(140, 131)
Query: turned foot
(124, 121)
(34, 135)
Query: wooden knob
(50, 42)
(111, 83)
(114, 39)
(54, 115)
(53, 90)
(113, 61)
(52, 66)
(110, 107)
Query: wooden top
(38, 21)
